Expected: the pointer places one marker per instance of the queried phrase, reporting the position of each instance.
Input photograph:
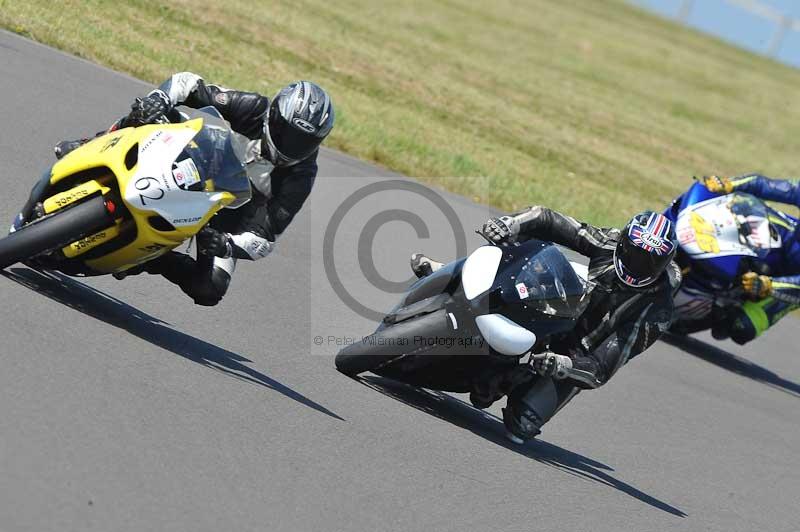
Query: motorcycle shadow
(725, 360)
(491, 428)
(108, 309)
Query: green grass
(590, 106)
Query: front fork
(28, 211)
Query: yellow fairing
(116, 151)
(90, 242)
(59, 201)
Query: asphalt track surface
(125, 407)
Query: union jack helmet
(645, 248)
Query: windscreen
(752, 219)
(217, 155)
(545, 281)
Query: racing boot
(66, 146)
(423, 266)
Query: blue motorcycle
(720, 238)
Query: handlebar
(492, 242)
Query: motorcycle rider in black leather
(285, 134)
(631, 280)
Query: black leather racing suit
(278, 192)
(619, 323)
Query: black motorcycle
(476, 325)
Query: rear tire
(386, 345)
(55, 231)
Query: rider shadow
(490, 427)
(729, 361)
(108, 309)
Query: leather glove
(717, 185)
(149, 109)
(552, 365)
(214, 243)
(756, 286)
(500, 230)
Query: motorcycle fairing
(138, 161)
(504, 335)
(155, 187)
(480, 270)
(709, 229)
(525, 301)
(445, 279)
(723, 235)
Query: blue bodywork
(718, 272)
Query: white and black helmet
(299, 118)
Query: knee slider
(208, 291)
(742, 329)
(522, 422)
(220, 280)
(748, 322)
(529, 409)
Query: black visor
(638, 266)
(289, 139)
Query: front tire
(389, 344)
(54, 231)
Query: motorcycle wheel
(389, 344)
(54, 231)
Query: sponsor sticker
(150, 141)
(522, 290)
(185, 173)
(305, 126)
(651, 240)
(186, 221)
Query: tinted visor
(636, 266)
(290, 140)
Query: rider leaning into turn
(285, 134)
(632, 279)
(773, 290)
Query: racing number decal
(149, 191)
(704, 234)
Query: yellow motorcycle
(130, 196)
